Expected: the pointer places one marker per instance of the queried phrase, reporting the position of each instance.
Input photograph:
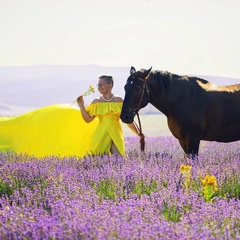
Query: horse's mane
(167, 76)
(162, 77)
(157, 73)
(165, 79)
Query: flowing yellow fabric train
(60, 130)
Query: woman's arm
(132, 126)
(84, 113)
(135, 130)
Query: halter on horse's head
(137, 94)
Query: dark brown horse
(195, 108)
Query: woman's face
(103, 87)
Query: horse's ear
(146, 73)
(132, 70)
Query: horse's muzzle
(127, 118)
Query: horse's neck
(158, 94)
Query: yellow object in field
(60, 130)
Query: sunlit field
(139, 196)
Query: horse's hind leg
(193, 147)
(184, 147)
(190, 147)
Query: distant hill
(23, 89)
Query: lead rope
(142, 137)
(139, 128)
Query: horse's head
(136, 94)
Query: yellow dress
(109, 128)
(60, 130)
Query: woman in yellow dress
(61, 130)
(108, 136)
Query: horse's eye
(131, 82)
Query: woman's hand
(80, 101)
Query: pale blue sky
(182, 36)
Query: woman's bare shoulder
(96, 100)
(118, 99)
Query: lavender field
(142, 196)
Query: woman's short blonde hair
(107, 78)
